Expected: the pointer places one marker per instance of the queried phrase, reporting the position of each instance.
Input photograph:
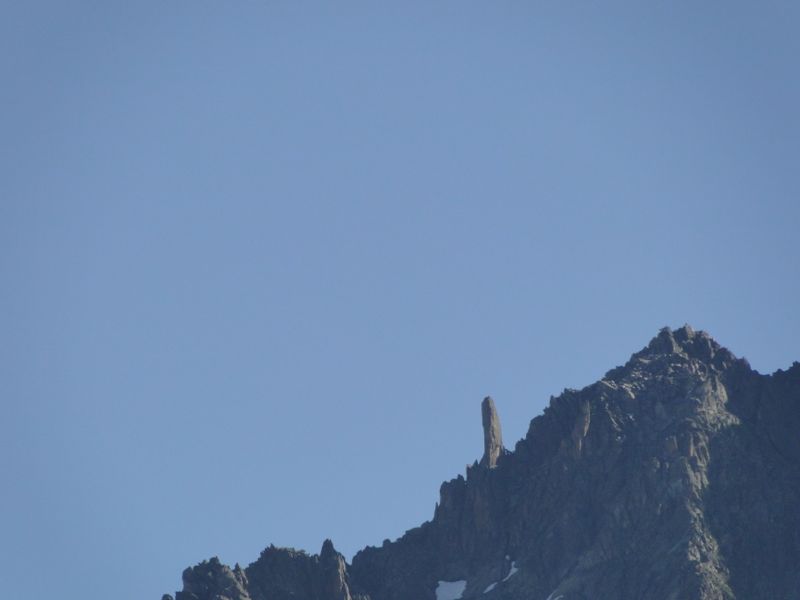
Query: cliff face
(675, 476)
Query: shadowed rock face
(492, 436)
(676, 476)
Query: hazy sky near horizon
(261, 261)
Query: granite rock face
(674, 477)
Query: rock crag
(492, 436)
(674, 477)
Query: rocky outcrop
(334, 581)
(211, 580)
(492, 436)
(676, 476)
(284, 574)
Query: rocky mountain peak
(334, 579)
(676, 476)
(327, 552)
(687, 343)
(680, 349)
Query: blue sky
(261, 262)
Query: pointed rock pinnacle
(492, 436)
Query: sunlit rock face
(492, 436)
(676, 476)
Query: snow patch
(513, 570)
(450, 590)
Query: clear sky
(262, 260)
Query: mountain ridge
(673, 476)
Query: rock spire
(492, 436)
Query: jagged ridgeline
(676, 476)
